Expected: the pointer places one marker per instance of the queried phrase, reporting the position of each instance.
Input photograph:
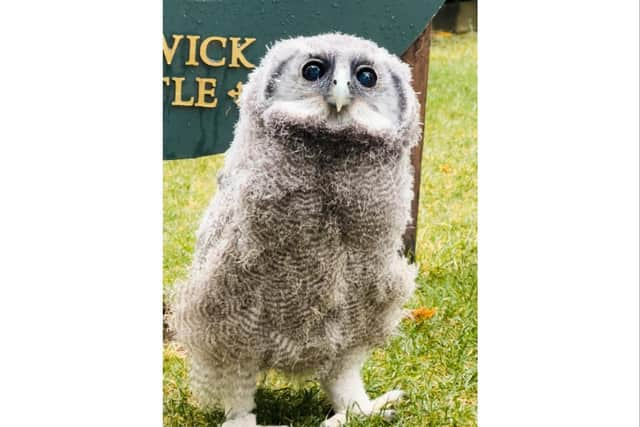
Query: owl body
(298, 261)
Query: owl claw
(388, 414)
(248, 420)
(378, 406)
(337, 420)
(388, 398)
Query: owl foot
(388, 398)
(247, 420)
(376, 407)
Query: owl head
(333, 85)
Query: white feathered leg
(238, 401)
(347, 393)
(237, 392)
(233, 385)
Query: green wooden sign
(210, 46)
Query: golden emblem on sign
(235, 93)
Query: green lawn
(434, 360)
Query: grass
(434, 360)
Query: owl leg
(233, 385)
(237, 391)
(347, 393)
(238, 400)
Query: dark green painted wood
(193, 131)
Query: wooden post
(417, 55)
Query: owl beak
(340, 92)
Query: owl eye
(313, 70)
(367, 77)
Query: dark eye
(313, 70)
(367, 77)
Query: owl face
(332, 82)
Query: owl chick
(298, 263)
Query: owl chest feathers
(354, 200)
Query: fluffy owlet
(298, 263)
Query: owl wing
(219, 221)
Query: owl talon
(337, 420)
(340, 419)
(386, 399)
(378, 406)
(248, 420)
(388, 414)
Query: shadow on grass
(297, 404)
(292, 406)
(285, 406)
